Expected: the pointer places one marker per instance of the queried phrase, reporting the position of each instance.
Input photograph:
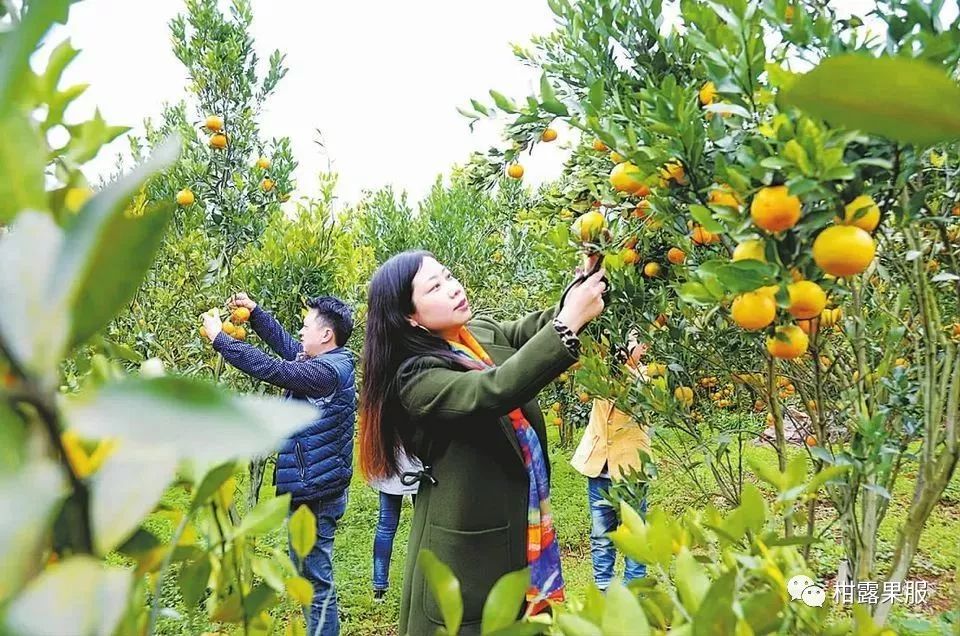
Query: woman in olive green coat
(461, 395)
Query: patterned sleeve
(273, 333)
(311, 377)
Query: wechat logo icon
(804, 588)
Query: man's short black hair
(335, 313)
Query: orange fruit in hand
(214, 123)
(807, 299)
(676, 255)
(869, 212)
(185, 197)
(774, 209)
(203, 332)
(548, 135)
(229, 328)
(788, 343)
(218, 141)
(240, 315)
(754, 310)
(239, 333)
(843, 250)
(515, 171)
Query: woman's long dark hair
(391, 340)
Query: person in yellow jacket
(610, 447)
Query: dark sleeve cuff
(221, 340)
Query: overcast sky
(380, 79)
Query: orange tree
(86, 478)
(765, 197)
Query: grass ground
(936, 562)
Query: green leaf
(906, 100)
(59, 59)
(596, 95)
(193, 583)
(262, 597)
(623, 614)
(504, 601)
(767, 473)
(696, 294)
(445, 589)
(741, 276)
(22, 163)
(303, 531)
(762, 611)
(270, 571)
(521, 629)
(300, 590)
(34, 494)
(480, 108)
(691, 580)
(753, 507)
(18, 45)
(550, 102)
(573, 625)
(267, 515)
(796, 471)
(81, 595)
(34, 327)
(87, 138)
(211, 482)
(825, 475)
(125, 489)
(715, 616)
(106, 254)
(704, 217)
(197, 420)
(502, 102)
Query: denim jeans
(323, 618)
(604, 518)
(387, 524)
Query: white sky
(380, 79)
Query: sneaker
(379, 596)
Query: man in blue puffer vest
(316, 463)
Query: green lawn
(936, 562)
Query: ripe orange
(203, 332)
(218, 141)
(701, 236)
(810, 440)
(599, 146)
(868, 220)
(548, 135)
(672, 171)
(843, 250)
(240, 315)
(807, 299)
(707, 93)
(239, 333)
(185, 197)
(228, 327)
(676, 256)
(267, 185)
(830, 317)
(214, 123)
(640, 211)
(754, 310)
(263, 163)
(788, 343)
(515, 171)
(589, 226)
(806, 326)
(625, 177)
(725, 197)
(651, 270)
(774, 209)
(753, 249)
(630, 256)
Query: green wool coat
(474, 518)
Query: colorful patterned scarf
(543, 553)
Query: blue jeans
(604, 518)
(387, 524)
(323, 618)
